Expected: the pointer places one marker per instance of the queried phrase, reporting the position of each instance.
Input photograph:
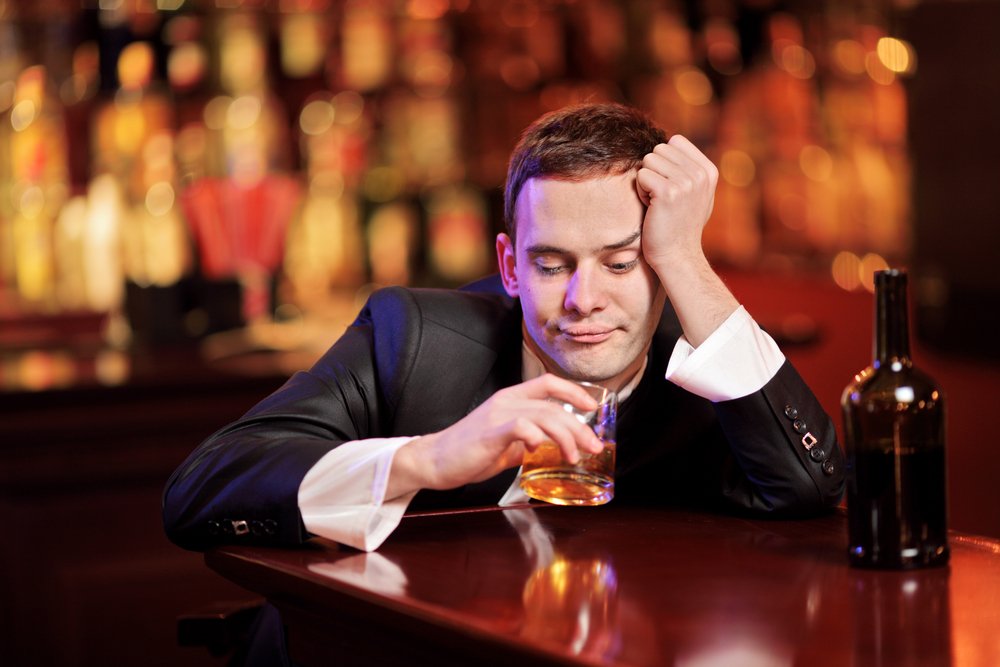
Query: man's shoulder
(427, 301)
(479, 315)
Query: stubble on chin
(590, 365)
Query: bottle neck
(892, 337)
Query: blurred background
(196, 196)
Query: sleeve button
(828, 467)
(800, 426)
(791, 412)
(817, 454)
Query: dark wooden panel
(954, 141)
(87, 576)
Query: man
(430, 398)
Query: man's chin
(579, 370)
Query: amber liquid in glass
(546, 476)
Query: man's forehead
(619, 183)
(593, 213)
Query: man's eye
(623, 267)
(549, 270)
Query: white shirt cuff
(342, 497)
(738, 359)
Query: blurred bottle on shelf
(34, 187)
(277, 150)
(457, 237)
(392, 242)
(325, 247)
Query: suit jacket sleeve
(241, 484)
(382, 378)
(785, 447)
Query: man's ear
(505, 260)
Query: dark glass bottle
(895, 445)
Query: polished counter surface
(619, 585)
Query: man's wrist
(681, 267)
(409, 468)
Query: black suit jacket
(417, 360)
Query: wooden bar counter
(618, 585)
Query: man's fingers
(691, 152)
(680, 163)
(538, 421)
(550, 422)
(550, 386)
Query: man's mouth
(586, 335)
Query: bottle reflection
(901, 619)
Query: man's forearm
(699, 297)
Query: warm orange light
(816, 163)
(878, 72)
(520, 72)
(519, 14)
(846, 270)
(383, 183)
(6, 95)
(723, 48)
(135, 66)
(867, 267)
(432, 71)
(186, 64)
(798, 61)
(112, 367)
(849, 56)
(426, 9)
(693, 86)
(303, 44)
(897, 55)
(215, 112)
(31, 202)
(348, 106)
(244, 112)
(22, 115)
(316, 117)
(792, 211)
(160, 198)
(737, 168)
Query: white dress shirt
(342, 497)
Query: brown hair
(579, 142)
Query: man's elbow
(807, 498)
(177, 523)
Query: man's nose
(586, 291)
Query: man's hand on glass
(493, 437)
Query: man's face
(590, 301)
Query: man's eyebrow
(542, 249)
(624, 243)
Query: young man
(431, 396)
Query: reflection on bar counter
(194, 167)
